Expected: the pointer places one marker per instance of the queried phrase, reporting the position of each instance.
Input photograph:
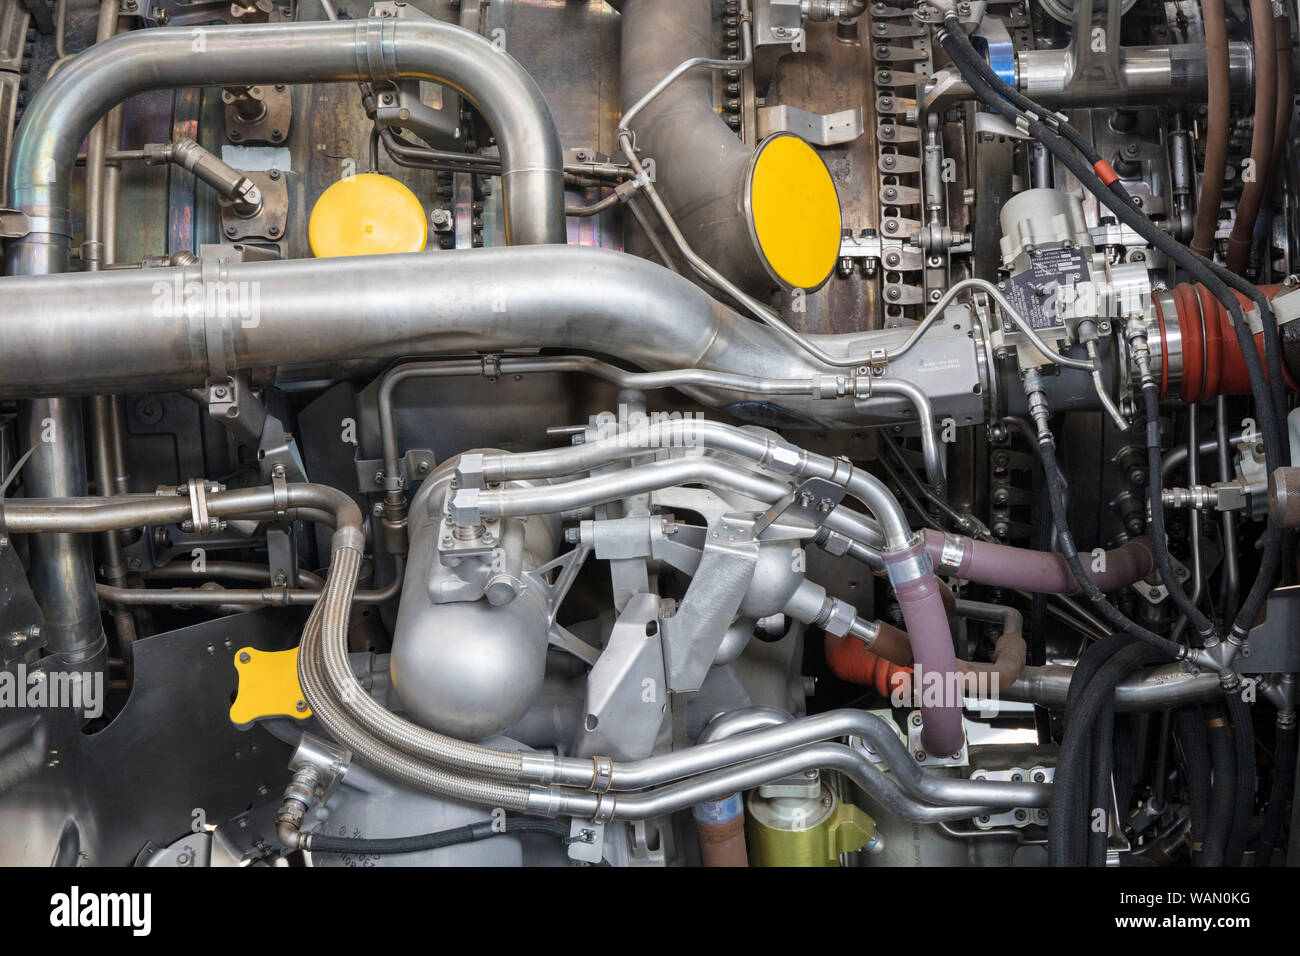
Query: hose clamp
(911, 564)
(605, 806)
(200, 520)
(953, 554)
(375, 49)
(280, 491)
(602, 775)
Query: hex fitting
(318, 766)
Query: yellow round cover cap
(795, 211)
(365, 215)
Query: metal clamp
(199, 506)
(280, 490)
(602, 775)
(605, 806)
(952, 555)
(16, 224)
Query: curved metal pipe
(1169, 685)
(701, 165)
(177, 327)
(827, 756)
(378, 50)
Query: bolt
(244, 657)
(301, 705)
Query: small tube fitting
(318, 766)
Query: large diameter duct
(763, 218)
(90, 333)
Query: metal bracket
(14, 224)
(258, 114)
(413, 466)
(693, 635)
(270, 221)
(1020, 816)
(821, 129)
(567, 567)
(800, 513)
(626, 694)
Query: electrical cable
(472, 833)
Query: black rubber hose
(1155, 482)
(1284, 763)
(1069, 820)
(1223, 792)
(1090, 661)
(1118, 620)
(1208, 273)
(1196, 761)
(483, 830)
(1099, 786)
(1243, 740)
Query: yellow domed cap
(794, 211)
(366, 215)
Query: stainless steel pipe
(1168, 685)
(701, 165)
(1152, 75)
(177, 327)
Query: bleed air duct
(91, 333)
(764, 217)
